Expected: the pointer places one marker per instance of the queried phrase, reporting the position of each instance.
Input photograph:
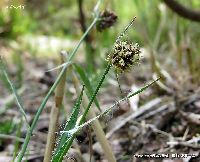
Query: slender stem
(111, 107)
(18, 101)
(96, 126)
(18, 134)
(95, 93)
(82, 38)
(90, 51)
(120, 88)
(40, 109)
(69, 142)
(54, 117)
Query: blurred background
(33, 32)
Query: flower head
(107, 19)
(124, 55)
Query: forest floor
(162, 121)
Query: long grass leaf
(87, 83)
(70, 125)
(77, 128)
(41, 107)
(18, 101)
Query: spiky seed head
(107, 19)
(124, 56)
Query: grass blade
(41, 107)
(55, 114)
(77, 128)
(70, 125)
(87, 83)
(18, 101)
(111, 107)
(17, 143)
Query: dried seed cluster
(124, 56)
(107, 19)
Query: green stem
(83, 37)
(17, 143)
(69, 142)
(40, 109)
(94, 94)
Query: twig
(183, 11)
(88, 39)
(140, 111)
(96, 125)
(6, 136)
(158, 110)
(193, 143)
(54, 116)
(77, 128)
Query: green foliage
(6, 127)
(17, 143)
(12, 87)
(153, 25)
(61, 148)
(86, 81)
(66, 144)
(41, 107)
(3, 79)
(15, 22)
(17, 60)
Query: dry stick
(158, 110)
(88, 39)
(54, 116)
(140, 111)
(77, 128)
(69, 143)
(42, 106)
(11, 137)
(190, 61)
(96, 124)
(182, 10)
(74, 155)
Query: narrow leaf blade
(87, 83)
(70, 125)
